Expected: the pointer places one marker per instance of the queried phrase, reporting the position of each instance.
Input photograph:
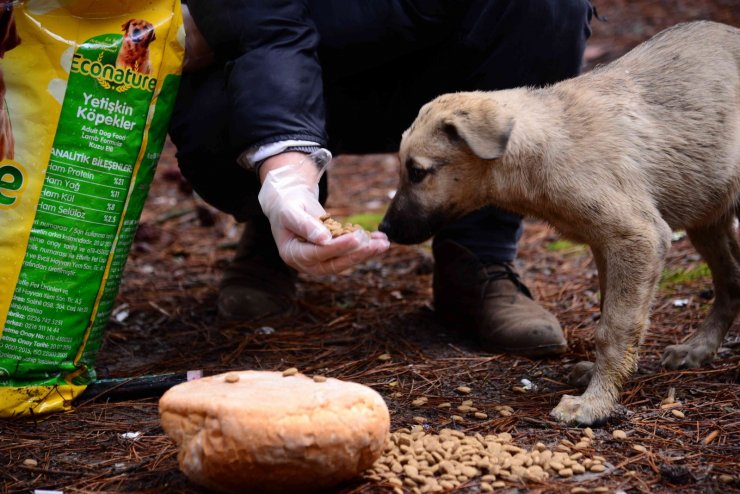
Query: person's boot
(490, 301)
(257, 283)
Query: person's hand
(290, 199)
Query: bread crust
(268, 433)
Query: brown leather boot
(257, 283)
(491, 302)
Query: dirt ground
(165, 322)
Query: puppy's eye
(415, 173)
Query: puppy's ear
(485, 132)
(152, 37)
(126, 25)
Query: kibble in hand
(336, 228)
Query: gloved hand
(290, 199)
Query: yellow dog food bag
(89, 87)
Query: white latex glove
(290, 199)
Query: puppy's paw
(687, 356)
(577, 410)
(580, 374)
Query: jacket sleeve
(274, 79)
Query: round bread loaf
(253, 431)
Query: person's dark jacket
(273, 52)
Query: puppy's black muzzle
(400, 234)
(406, 223)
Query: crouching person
(269, 86)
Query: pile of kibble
(419, 462)
(336, 228)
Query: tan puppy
(138, 34)
(615, 158)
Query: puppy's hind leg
(633, 257)
(719, 246)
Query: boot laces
(507, 274)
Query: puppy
(138, 34)
(9, 39)
(616, 159)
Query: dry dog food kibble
(290, 372)
(426, 462)
(231, 377)
(267, 432)
(336, 228)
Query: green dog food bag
(89, 87)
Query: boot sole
(539, 351)
(235, 316)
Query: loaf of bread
(252, 431)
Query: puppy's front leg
(629, 270)
(582, 372)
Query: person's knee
(523, 42)
(200, 134)
(220, 181)
(573, 20)
(557, 25)
(564, 40)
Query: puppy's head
(446, 156)
(139, 31)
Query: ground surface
(166, 322)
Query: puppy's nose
(391, 229)
(385, 227)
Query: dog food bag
(88, 88)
